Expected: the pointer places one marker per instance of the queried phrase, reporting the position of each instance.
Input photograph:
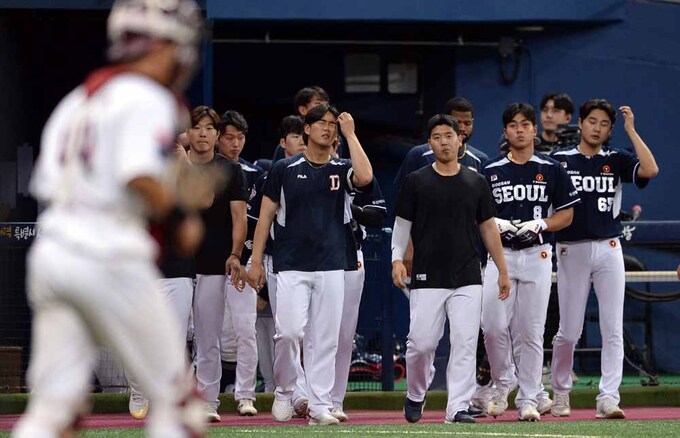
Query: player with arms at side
(589, 251)
(309, 196)
(533, 196)
(439, 206)
(92, 278)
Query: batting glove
(530, 231)
(506, 228)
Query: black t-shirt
(217, 243)
(445, 210)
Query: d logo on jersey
(606, 169)
(539, 177)
(335, 182)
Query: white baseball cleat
(544, 405)
(609, 410)
(245, 408)
(282, 410)
(138, 405)
(339, 414)
(560, 407)
(528, 413)
(211, 414)
(323, 419)
(498, 403)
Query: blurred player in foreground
(92, 278)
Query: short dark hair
(315, 114)
(561, 101)
(513, 109)
(205, 111)
(235, 119)
(441, 119)
(593, 104)
(291, 125)
(458, 104)
(304, 96)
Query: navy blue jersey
(251, 171)
(421, 156)
(599, 181)
(254, 204)
(313, 215)
(369, 201)
(529, 191)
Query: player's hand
(256, 276)
(399, 274)
(236, 272)
(506, 229)
(189, 235)
(628, 118)
(528, 232)
(503, 286)
(346, 124)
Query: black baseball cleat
(461, 417)
(475, 412)
(413, 411)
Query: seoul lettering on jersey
(531, 190)
(598, 180)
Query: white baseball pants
(429, 309)
(579, 265)
(239, 338)
(265, 350)
(309, 308)
(80, 302)
(525, 311)
(354, 286)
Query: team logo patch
(359, 264)
(539, 177)
(335, 182)
(563, 250)
(494, 177)
(544, 255)
(606, 168)
(612, 243)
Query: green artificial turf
(591, 429)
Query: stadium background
(404, 59)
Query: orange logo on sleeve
(612, 243)
(544, 255)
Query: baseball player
(218, 258)
(534, 196)
(309, 195)
(92, 279)
(589, 251)
(368, 209)
(556, 109)
(439, 206)
(292, 142)
(304, 100)
(238, 344)
(422, 155)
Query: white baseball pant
(354, 286)
(309, 307)
(599, 262)
(429, 309)
(239, 338)
(80, 302)
(530, 272)
(301, 382)
(265, 350)
(208, 318)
